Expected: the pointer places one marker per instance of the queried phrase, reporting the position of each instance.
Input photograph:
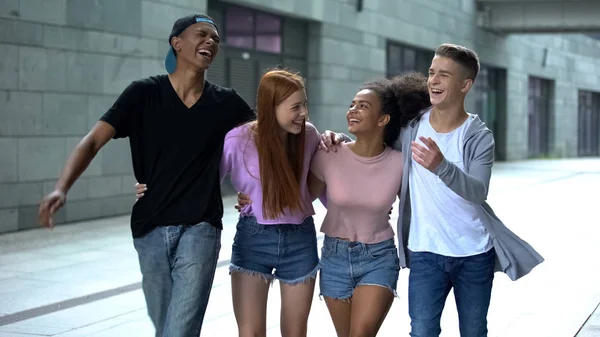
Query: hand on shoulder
(331, 140)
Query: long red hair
(280, 162)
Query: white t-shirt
(442, 222)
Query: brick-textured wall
(63, 64)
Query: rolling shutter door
(242, 77)
(216, 73)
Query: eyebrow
(207, 30)
(362, 101)
(441, 71)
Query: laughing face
(447, 83)
(197, 45)
(364, 115)
(291, 113)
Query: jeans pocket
(199, 224)
(247, 227)
(380, 250)
(307, 230)
(308, 225)
(327, 250)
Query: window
(482, 88)
(588, 139)
(540, 96)
(490, 101)
(487, 92)
(402, 59)
(268, 33)
(239, 26)
(249, 29)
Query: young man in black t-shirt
(176, 126)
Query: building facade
(65, 62)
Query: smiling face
(197, 45)
(447, 83)
(291, 113)
(364, 115)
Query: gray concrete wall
(349, 47)
(62, 64)
(541, 16)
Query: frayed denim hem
(342, 299)
(349, 299)
(393, 291)
(235, 269)
(312, 275)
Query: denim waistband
(328, 240)
(251, 221)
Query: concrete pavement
(83, 279)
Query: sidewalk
(591, 328)
(90, 269)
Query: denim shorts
(286, 252)
(346, 265)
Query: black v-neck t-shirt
(176, 150)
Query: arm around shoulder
(316, 186)
(243, 112)
(317, 174)
(345, 138)
(231, 148)
(313, 137)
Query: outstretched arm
(84, 152)
(79, 160)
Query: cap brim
(170, 61)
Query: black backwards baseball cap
(178, 27)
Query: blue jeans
(287, 252)
(346, 265)
(178, 266)
(430, 280)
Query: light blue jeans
(178, 266)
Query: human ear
(384, 120)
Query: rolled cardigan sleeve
(473, 183)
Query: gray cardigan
(514, 256)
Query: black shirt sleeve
(121, 113)
(242, 110)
